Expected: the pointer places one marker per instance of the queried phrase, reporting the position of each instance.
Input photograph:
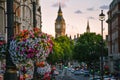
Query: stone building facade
(23, 15)
(114, 35)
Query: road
(67, 75)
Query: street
(67, 75)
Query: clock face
(58, 26)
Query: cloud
(63, 5)
(91, 17)
(78, 12)
(104, 7)
(57, 4)
(90, 9)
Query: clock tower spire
(60, 25)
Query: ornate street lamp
(34, 25)
(102, 18)
(11, 72)
(34, 12)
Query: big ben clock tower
(60, 25)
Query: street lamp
(34, 25)
(102, 18)
(34, 12)
(11, 72)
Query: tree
(62, 49)
(67, 46)
(56, 54)
(88, 48)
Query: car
(76, 72)
(69, 69)
(86, 73)
(56, 72)
(96, 77)
(72, 70)
(109, 77)
(112, 78)
(104, 77)
(82, 71)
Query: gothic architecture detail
(60, 25)
(22, 16)
(88, 27)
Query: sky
(76, 13)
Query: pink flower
(33, 43)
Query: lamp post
(11, 72)
(102, 18)
(34, 25)
(34, 12)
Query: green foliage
(88, 48)
(67, 46)
(62, 49)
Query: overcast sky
(76, 13)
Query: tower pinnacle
(88, 27)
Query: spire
(88, 27)
(60, 16)
(60, 11)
